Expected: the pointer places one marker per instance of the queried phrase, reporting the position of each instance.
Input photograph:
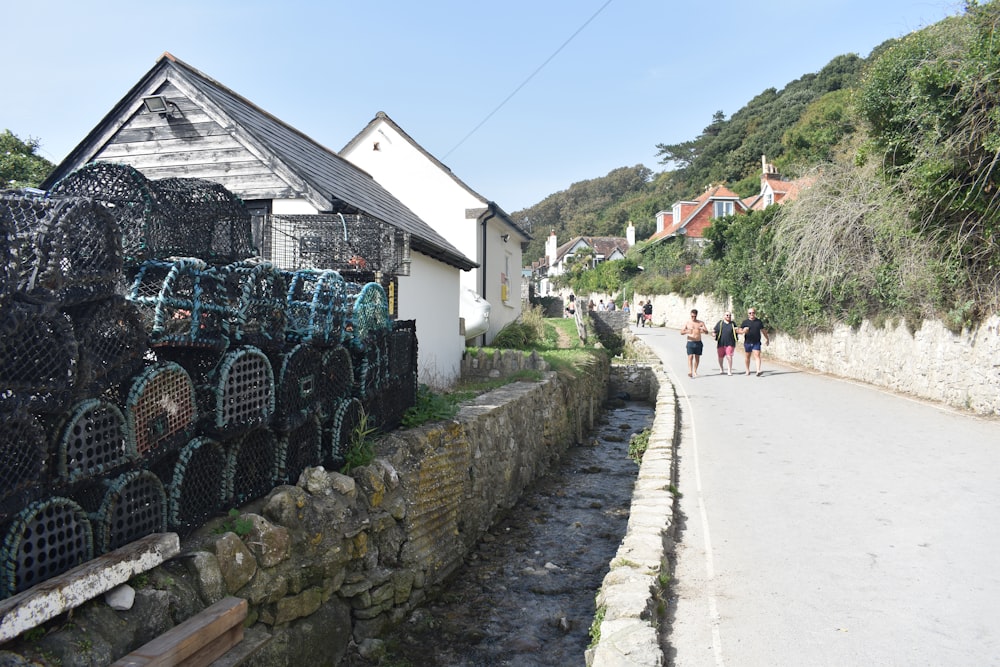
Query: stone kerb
(960, 370)
(632, 594)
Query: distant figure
(725, 341)
(693, 330)
(571, 306)
(647, 314)
(625, 308)
(591, 306)
(639, 317)
(601, 306)
(611, 305)
(752, 330)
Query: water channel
(525, 595)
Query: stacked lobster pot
(153, 373)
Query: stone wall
(478, 363)
(328, 564)
(961, 370)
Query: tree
(20, 166)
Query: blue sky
(576, 88)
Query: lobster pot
(252, 466)
(134, 506)
(38, 358)
(316, 306)
(160, 409)
(23, 457)
(300, 449)
(92, 441)
(69, 248)
(183, 303)
(46, 539)
(368, 311)
(10, 264)
(209, 221)
(257, 292)
(300, 389)
(240, 393)
(128, 197)
(196, 487)
(338, 379)
(367, 368)
(112, 345)
(337, 435)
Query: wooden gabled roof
(329, 182)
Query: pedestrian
(601, 307)
(611, 305)
(638, 312)
(647, 314)
(571, 306)
(591, 306)
(725, 341)
(625, 308)
(753, 329)
(693, 330)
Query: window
(721, 208)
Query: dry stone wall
(961, 370)
(328, 564)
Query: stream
(525, 595)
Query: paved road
(830, 523)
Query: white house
(178, 122)
(476, 226)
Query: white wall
(430, 295)
(440, 201)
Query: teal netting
(112, 344)
(368, 311)
(183, 303)
(316, 307)
(338, 378)
(337, 435)
(258, 293)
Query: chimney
(551, 247)
(630, 234)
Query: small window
(722, 208)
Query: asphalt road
(827, 522)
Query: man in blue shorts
(752, 330)
(693, 330)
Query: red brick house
(692, 218)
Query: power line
(525, 82)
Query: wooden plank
(202, 638)
(45, 601)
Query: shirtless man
(693, 330)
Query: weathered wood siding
(189, 143)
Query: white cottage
(476, 226)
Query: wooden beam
(45, 601)
(197, 642)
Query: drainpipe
(490, 213)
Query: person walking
(693, 330)
(647, 314)
(725, 341)
(638, 313)
(752, 330)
